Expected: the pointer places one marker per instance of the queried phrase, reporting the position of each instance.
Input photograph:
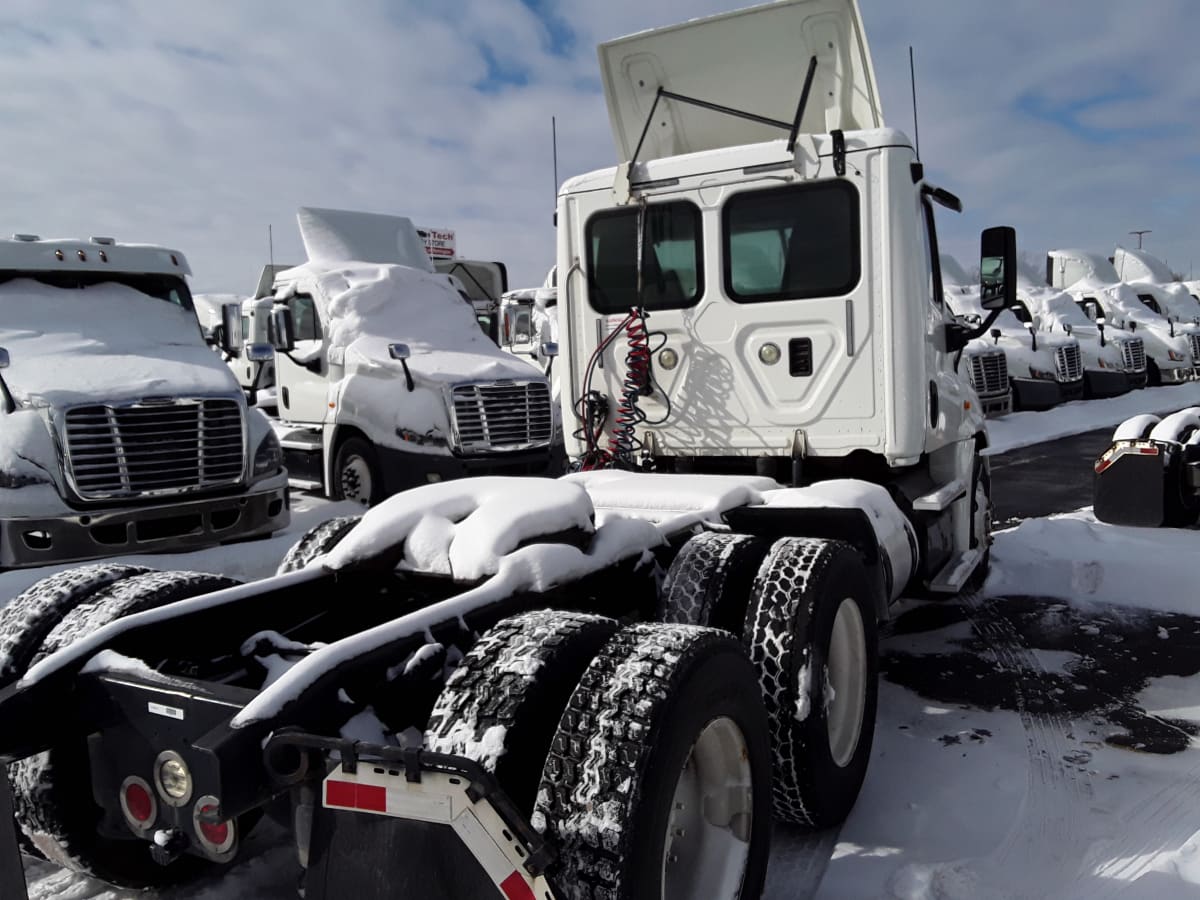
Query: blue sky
(1075, 122)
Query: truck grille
(1195, 339)
(501, 416)
(154, 448)
(1133, 354)
(989, 373)
(1068, 364)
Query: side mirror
(260, 352)
(399, 351)
(995, 333)
(1101, 321)
(282, 329)
(998, 267)
(4, 361)
(1068, 328)
(1132, 326)
(230, 337)
(550, 349)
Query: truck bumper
(403, 470)
(1137, 380)
(1033, 393)
(169, 526)
(997, 404)
(1179, 375)
(1105, 383)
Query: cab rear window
(672, 269)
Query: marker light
(668, 359)
(769, 353)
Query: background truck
(1112, 364)
(986, 364)
(383, 377)
(120, 439)
(536, 766)
(252, 361)
(483, 283)
(1157, 285)
(1171, 350)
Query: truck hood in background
(372, 306)
(102, 343)
(753, 60)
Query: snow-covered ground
(1035, 740)
(1023, 429)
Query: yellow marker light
(668, 359)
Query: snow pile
(334, 235)
(1076, 557)
(372, 306)
(1138, 265)
(464, 528)
(1026, 428)
(662, 498)
(72, 346)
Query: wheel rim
(356, 480)
(708, 831)
(983, 516)
(846, 682)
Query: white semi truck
(1172, 350)
(1165, 295)
(120, 432)
(757, 294)
(383, 377)
(987, 365)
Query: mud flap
(1131, 483)
(12, 873)
(406, 823)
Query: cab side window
(304, 315)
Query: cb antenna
(912, 74)
(554, 151)
(270, 247)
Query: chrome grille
(1133, 354)
(989, 373)
(501, 416)
(154, 448)
(1068, 364)
(1195, 339)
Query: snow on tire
(52, 793)
(709, 580)
(502, 704)
(30, 616)
(316, 542)
(811, 633)
(658, 779)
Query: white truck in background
(1171, 350)
(482, 284)
(1157, 286)
(383, 378)
(1112, 364)
(122, 433)
(1043, 369)
(252, 358)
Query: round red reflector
(139, 802)
(217, 835)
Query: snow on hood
(102, 342)
(372, 306)
(1138, 265)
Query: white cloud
(198, 125)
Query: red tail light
(138, 804)
(217, 839)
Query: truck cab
(756, 290)
(118, 439)
(384, 379)
(482, 283)
(1171, 349)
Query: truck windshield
(170, 288)
(792, 243)
(672, 274)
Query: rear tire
(503, 702)
(981, 522)
(710, 579)
(811, 633)
(316, 542)
(52, 791)
(356, 474)
(657, 783)
(32, 614)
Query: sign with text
(439, 242)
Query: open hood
(754, 60)
(482, 280)
(341, 235)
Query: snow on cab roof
(29, 253)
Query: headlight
(1174, 357)
(268, 458)
(1041, 374)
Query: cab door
(302, 374)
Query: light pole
(1139, 235)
